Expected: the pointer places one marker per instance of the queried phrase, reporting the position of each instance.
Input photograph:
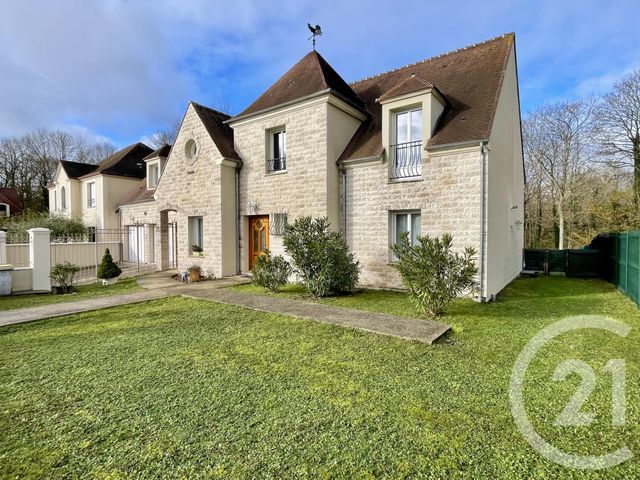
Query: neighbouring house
(10, 203)
(427, 148)
(91, 192)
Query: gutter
(482, 298)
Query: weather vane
(315, 32)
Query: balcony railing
(278, 164)
(407, 159)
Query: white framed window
(91, 194)
(63, 198)
(153, 175)
(196, 237)
(408, 221)
(406, 147)
(277, 161)
(5, 211)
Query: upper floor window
(63, 198)
(153, 175)
(277, 151)
(91, 194)
(406, 151)
(5, 211)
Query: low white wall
(83, 254)
(22, 280)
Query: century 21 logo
(572, 415)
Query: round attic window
(191, 149)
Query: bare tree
(619, 126)
(165, 136)
(557, 147)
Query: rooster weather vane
(315, 32)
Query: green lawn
(127, 285)
(183, 388)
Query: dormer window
(277, 161)
(153, 175)
(406, 149)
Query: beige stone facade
(193, 187)
(447, 197)
(218, 171)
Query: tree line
(582, 167)
(28, 162)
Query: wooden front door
(258, 237)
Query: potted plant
(196, 250)
(195, 273)
(63, 275)
(108, 271)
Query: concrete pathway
(161, 285)
(424, 331)
(22, 315)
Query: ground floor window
(405, 222)
(196, 240)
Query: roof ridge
(450, 52)
(196, 104)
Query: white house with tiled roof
(428, 148)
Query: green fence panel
(558, 261)
(584, 263)
(633, 266)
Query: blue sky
(119, 70)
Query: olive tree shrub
(433, 273)
(320, 257)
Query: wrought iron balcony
(406, 159)
(278, 164)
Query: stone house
(427, 148)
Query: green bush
(60, 226)
(320, 257)
(108, 268)
(433, 273)
(63, 275)
(271, 272)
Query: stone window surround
(269, 148)
(393, 214)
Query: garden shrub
(433, 273)
(63, 275)
(270, 272)
(108, 268)
(320, 257)
(59, 225)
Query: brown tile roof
(220, 132)
(470, 80)
(138, 194)
(76, 169)
(310, 75)
(163, 152)
(10, 197)
(413, 83)
(127, 162)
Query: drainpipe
(344, 202)
(483, 159)
(238, 269)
